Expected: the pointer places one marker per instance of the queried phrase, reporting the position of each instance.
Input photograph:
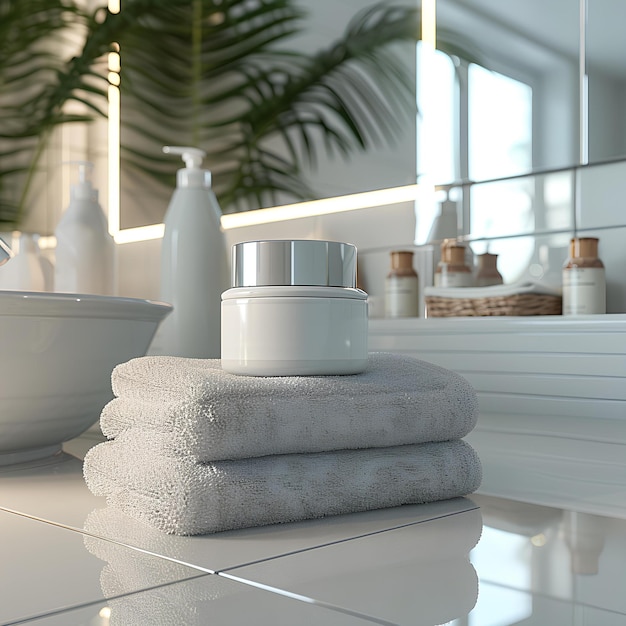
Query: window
(477, 124)
(499, 126)
(473, 123)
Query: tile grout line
(306, 599)
(83, 605)
(207, 570)
(80, 531)
(345, 540)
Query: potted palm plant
(219, 74)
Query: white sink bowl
(57, 352)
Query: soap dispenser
(85, 251)
(194, 268)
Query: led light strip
(113, 132)
(325, 206)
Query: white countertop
(66, 558)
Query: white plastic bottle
(25, 272)
(85, 251)
(194, 268)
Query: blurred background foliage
(217, 74)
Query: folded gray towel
(211, 415)
(183, 497)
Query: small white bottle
(402, 286)
(85, 251)
(194, 265)
(584, 282)
(25, 272)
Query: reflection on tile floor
(419, 574)
(46, 568)
(208, 600)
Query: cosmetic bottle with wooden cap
(401, 286)
(452, 270)
(584, 282)
(487, 273)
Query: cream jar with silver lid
(294, 310)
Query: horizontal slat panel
(610, 323)
(564, 343)
(599, 387)
(553, 450)
(613, 365)
(597, 429)
(594, 334)
(547, 406)
(551, 366)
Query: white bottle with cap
(194, 270)
(85, 251)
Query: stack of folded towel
(195, 450)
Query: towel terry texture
(180, 496)
(196, 450)
(208, 414)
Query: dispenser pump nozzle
(83, 189)
(192, 175)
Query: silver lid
(294, 262)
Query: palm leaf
(250, 100)
(212, 73)
(332, 95)
(29, 66)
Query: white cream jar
(294, 310)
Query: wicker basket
(516, 304)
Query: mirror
(523, 106)
(378, 96)
(606, 66)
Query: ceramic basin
(57, 352)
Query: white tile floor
(391, 576)
(224, 602)
(66, 558)
(66, 568)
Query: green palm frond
(352, 95)
(218, 74)
(29, 66)
(263, 112)
(199, 103)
